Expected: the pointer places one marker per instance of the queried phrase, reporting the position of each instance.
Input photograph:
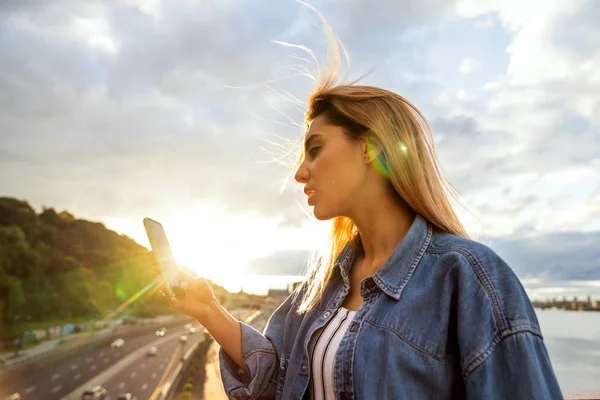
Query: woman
(406, 306)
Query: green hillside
(55, 267)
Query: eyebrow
(310, 138)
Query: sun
(205, 252)
(223, 246)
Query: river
(573, 341)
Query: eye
(313, 151)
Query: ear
(371, 148)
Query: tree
(68, 268)
(15, 299)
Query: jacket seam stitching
(483, 279)
(258, 350)
(524, 326)
(473, 365)
(410, 343)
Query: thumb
(190, 307)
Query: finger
(201, 290)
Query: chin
(323, 215)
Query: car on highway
(117, 343)
(191, 330)
(14, 396)
(95, 393)
(126, 396)
(152, 351)
(159, 333)
(183, 338)
(187, 326)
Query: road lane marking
(144, 386)
(29, 389)
(154, 375)
(89, 359)
(133, 374)
(93, 367)
(56, 389)
(55, 377)
(77, 376)
(74, 367)
(121, 385)
(112, 371)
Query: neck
(382, 224)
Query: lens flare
(151, 286)
(403, 148)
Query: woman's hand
(199, 298)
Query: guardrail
(582, 396)
(163, 391)
(82, 344)
(107, 374)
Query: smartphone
(161, 250)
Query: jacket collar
(397, 270)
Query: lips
(310, 193)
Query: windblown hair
(405, 156)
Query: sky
(187, 112)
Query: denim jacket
(443, 318)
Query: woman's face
(333, 170)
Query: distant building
(278, 292)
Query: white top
(322, 350)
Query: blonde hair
(407, 159)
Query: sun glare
(219, 245)
(203, 241)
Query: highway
(138, 375)
(141, 376)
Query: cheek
(338, 183)
(335, 174)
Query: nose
(301, 174)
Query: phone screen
(161, 250)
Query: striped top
(322, 349)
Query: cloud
(537, 258)
(284, 262)
(141, 98)
(109, 108)
(537, 132)
(552, 256)
(468, 65)
(151, 112)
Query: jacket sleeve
(258, 378)
(502, 351)
(517, 367)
